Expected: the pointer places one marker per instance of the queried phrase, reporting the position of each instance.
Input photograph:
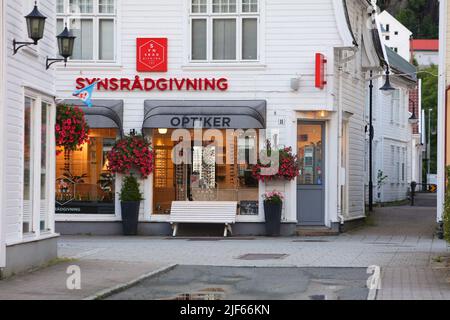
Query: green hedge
(446, 218)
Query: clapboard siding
(291, 32)
(25, 69)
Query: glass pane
(199, 6)
(84, 43)
(81, 6)
(44, 152)
(310, 154)
(59, 26)
(106, 6)
(199, 39)
(249, 39)
(106, 38)
(84, 185)
(224, 39)
(224, 6)
(249, 6)
(60, 6)
(219, 168)
(27, 168)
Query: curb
(121, 287)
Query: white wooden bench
(223, 212)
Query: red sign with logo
(320, 71)
(151, 55)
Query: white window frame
(95, 16)
(209, 16)
(35, 172)
(395, 106)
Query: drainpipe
(339, 155)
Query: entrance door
(310, 183)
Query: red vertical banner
(151, 54)
(320, 71)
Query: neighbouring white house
(397, 151)
(294, 73)
(395, 35)
(27, 113)
(425, 51)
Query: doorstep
(312, 231)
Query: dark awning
(219, 114)
(102, 114)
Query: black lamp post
(65, 47)
(35, 27)
(386, 89)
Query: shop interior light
(162, 130)
(323, 113)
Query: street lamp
(386, 89)
(413, 119)
(35, 27)
(65, 47)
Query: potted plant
(273, 204)
(130, 199)
(131, 154)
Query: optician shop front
(220, 121)
(221, 140)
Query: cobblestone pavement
(398, 239)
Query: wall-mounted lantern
(65, 47)
(413, 119)
(35, 27)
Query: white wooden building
(261, 55)
(27, 90)
(397, 152)
(395, 35)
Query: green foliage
(419, 16)
(429, 101)
(446, 217)
(130, 190)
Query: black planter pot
(130, 217)
(272, 213)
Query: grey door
(310, 183)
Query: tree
(429, 101)
(419, 16)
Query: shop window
(45, 169)
(93, 22)
(218, 168)
(224, 30)
(36, 164)
(84, 185)
(28, 167)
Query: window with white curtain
(395, 106)
(224, 30)
(93, 22)
(37, 127)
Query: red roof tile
(425, 45)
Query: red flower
(132, 152)
(71, 129)
(288, 167)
